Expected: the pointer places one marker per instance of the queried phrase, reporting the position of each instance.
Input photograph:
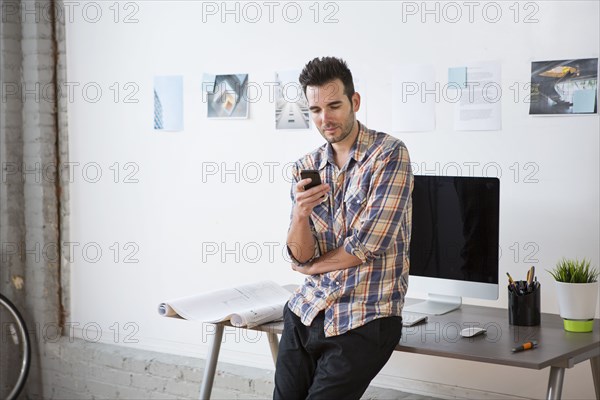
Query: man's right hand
(306, 200)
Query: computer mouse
(471, 331)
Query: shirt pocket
(355, 203)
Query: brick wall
(76, 369)
(12, 221)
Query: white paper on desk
(413, 97)
(246, 305)
(479, 105)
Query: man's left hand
(306, 270)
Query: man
(350, 236)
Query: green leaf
(574, 271)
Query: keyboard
(411, 319)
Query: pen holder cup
(524, 310)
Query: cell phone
(312, 174)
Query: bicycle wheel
(16, 350)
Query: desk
(439, 337)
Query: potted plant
(577, 292)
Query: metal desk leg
(595, 362)
(555, 382)
(274, 345)
(211, 362)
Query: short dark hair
(320, 71)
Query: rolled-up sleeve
(389, 199)
(293, 259)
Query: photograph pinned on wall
(412, 112)
(291, 107)
(564, 87)
(226, 96)
(168, 103)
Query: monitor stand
(436, 304)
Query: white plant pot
(577, 300)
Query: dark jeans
(311, 366)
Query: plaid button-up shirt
(368, 212)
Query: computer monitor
(454, 243)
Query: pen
(530, 275)
(510, 279)
(511, 283)
(526, 346)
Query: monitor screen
(454, 241)
(455, 228)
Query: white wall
(172, 212)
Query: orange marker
(526, 346)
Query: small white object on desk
(411, 319)
(471, 331)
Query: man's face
(331, 110)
